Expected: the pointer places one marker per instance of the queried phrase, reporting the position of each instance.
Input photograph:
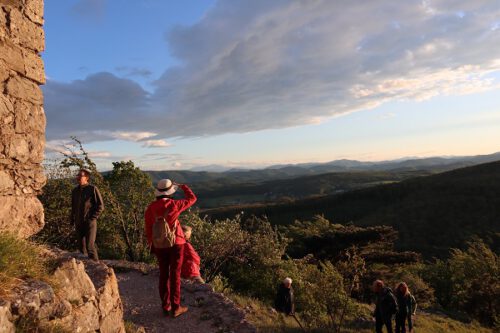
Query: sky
(247, 84)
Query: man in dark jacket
(386, 306)
(86, 206)
(284, 298)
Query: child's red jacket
(191, 263)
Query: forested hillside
(431, 213)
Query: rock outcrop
(85, 299)
(22, 119)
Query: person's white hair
(287, 281)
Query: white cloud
(252, 65)
(131, 136)
(155, 144)
(100, 154)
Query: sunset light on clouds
(253, 83)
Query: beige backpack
(163, 235)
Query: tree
(469, 281)
(133, 190)
(126, 191)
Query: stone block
(12, 55)
(12, 3)
(6, 182)
(4, 72)
(36, 145)
(21, 216)
(34, 11)
(3, 23)
(33, 66)
(18, 148)
(25, 32)
(29, 118)
(24, 89)
(6, 108)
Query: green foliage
(126, 192)
(133, 191)
(56, 200)
(19, 260)
(218, 243)
(469, 281)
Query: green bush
(469, 281)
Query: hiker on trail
(284, 301)
(191, 262)
(407, 306)
(385, 306)
(86, 206)
(166, 239)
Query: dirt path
(208, 311)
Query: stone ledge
(85, 298)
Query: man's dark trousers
(380, 322)
(86, 233)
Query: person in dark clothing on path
(386, 306)
(169, 259)
(284, 298)
(86, 207)
(406, 308)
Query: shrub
(469, 281)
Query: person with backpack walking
(385, 306)
(166, 239)
(407, 306)
(86, 207)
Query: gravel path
(208, 311)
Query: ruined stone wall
(22, 120)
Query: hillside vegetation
(431, 214)
(332, 264)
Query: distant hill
(431, 213)
(238, 176)
(300, 181)
(218, 194)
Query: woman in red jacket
(169, 259)
(191, 264)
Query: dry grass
(20, 260)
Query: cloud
(253, 65)
(89, 9)
(99, 154)
(100, 107)
(156, 144)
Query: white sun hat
(165, 187)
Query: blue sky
(179, 84)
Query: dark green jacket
(406, 304)
(386, 304)
(86, 204)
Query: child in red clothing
(191, 262)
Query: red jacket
(175, 208)
(191, 262)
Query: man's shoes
(179, 311)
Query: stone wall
(22, 120)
